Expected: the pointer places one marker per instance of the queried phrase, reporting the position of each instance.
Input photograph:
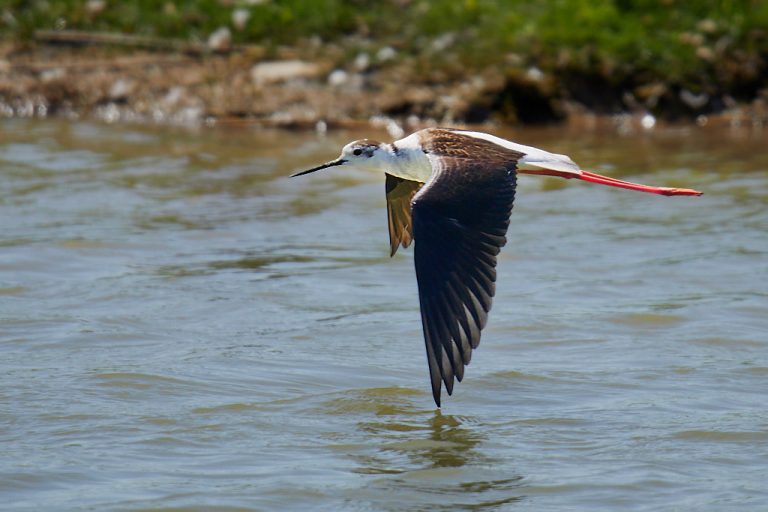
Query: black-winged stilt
(452, 192)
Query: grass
(694, 43)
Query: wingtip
(436, 396)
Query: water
(182, 327)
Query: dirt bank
(292, 89)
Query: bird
(450, 192)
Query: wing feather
(460, 220)
(400, 193)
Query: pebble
(695, 101)
(121, 88)
(95, 6)
(362, 61)
(240, 18)
(174, 96)
(648, 121)
(338, 77)
(50, 75)
(443, 42)
(385, 54)
(705, 53)
(534, 73)
(220, 40)
(281, 71)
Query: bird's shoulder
(448, 143)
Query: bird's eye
(357, 152)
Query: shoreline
(293, 91)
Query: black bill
(319, 168)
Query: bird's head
(361, 153)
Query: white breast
(410, 162)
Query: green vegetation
(700, 45)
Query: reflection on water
(184, 327)
(448, 445)
(419, 457)
(445, 461)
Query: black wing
(400, 193)
(460, 221)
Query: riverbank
(294, 92)
(308, 64)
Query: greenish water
(182, 327)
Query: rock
(694, 101)
(691, 38)
(443, 42)
(705, 53)
(338, 77)
(707, 25)
(281, 71)
(188, 115)
(121, 89)
(516, 60)
(385, 54)
(349, 81)
(648, 121)
(95, 6)
(174, 96)
(109, 113)
(362, 61)
(220, 40)
(240, 18)
(535, 74)
(52, 75)
(8, 18)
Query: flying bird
(451, 191)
